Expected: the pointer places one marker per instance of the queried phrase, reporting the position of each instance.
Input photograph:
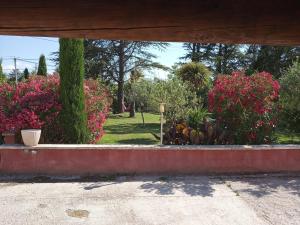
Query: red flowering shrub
(30, 104)
(97, 102)
(245, 106)
(34, 103)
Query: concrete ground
(244, 200)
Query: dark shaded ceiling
(275, 22)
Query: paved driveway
(151, 200)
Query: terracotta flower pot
(31, 137)
(9, 138)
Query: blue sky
(30, 48)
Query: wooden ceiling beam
(273, 22)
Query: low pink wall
(95, 159)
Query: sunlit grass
(120, 129)
(287, 138)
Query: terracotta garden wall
(100, 159)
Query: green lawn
(285, 138)
(120, 129)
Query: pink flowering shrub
(34, 103)
(97, 101)
(245, 106)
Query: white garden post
(161, 110)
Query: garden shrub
(97, 102)
(290, 98)
(35, 103)
(207, 132)
(196, 117)
(177, 96)
(245, 106)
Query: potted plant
(31, 127)
(9, 132)
(9, 137)
(31, 137)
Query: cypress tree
(26, 73)
(2, 76)
(42, 69)
(71, 66)
(1, 71)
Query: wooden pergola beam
(275, 22)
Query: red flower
(35, 104)
(245, 103)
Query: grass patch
(121, 129)
(287, 138)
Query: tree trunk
(219, 60)
(198, 52)
(224, 61)
(193, 52)
(121, 105)
(142, 113)
(132, 109)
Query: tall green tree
(2, 76)
(225, 58)
(219, 58)
(132, 91)
(198, 77)
(26, 73)
(290, 98)
(1, 70)
(114, 60)
(273, 59)
(71, 66)
(42, 68)
(198, 52)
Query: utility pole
(16, 75)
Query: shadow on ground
(132, 128)
(257, 186)
(144, 141)
(193, 187)
(263, 186)
(98, 185)
(168, 186)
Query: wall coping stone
(150, 147)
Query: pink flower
(248, 100)
(35, 104)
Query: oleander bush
(35, 103)
(246, 107)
